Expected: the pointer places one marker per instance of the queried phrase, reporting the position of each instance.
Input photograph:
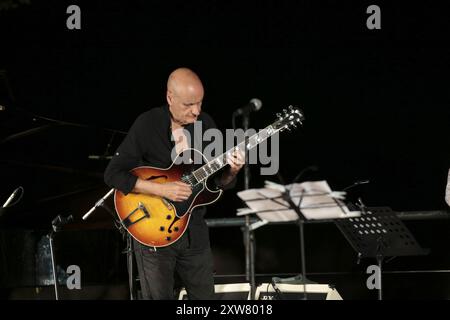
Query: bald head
(184, 96)
(184, 80)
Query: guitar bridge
(141, 207)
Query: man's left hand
(236, 160)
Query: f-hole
(169, 230)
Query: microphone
(98, 204)
(254, 105)
(357, 183)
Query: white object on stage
(286, 291)
(315, 199)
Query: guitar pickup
(167, 203)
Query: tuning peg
(278, 115)
(300, 113)
(291, 108)
(284, 110)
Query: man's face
(185, 104)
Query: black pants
(157, 270)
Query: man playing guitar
(150, 143)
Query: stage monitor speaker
(231, 291)
(266, 291)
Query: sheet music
(318, 201)
(278, 216)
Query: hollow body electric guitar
(159, 222)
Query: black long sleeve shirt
(149, 143)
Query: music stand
(277, 200)
(379, 233)
(300, 222)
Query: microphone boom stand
(249, 235)
(122, 230)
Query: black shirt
(149, 143)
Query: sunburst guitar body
(159, 222)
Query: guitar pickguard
(182, 208)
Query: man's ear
(169, 97)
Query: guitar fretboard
(219, 162)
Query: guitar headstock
(289, 119)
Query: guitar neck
(219, 162)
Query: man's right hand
(175, 191)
